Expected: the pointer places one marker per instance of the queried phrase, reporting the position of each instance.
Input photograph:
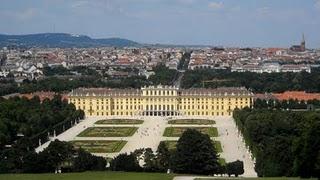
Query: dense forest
(259, 83)
(284, 143)
(22, 119)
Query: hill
(62, 40)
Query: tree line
(58, 156)
(284, 143)
(259, 83)
(23, 119)
(194, 154)
(286, 104)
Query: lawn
(172, 145)
(241, 178)
(108, 132)
(192, 121)
(100, 146)
(90, 175)
(119, 121)
(177, 131)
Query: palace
(160, 101)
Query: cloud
(263, 11)
(215, 5)
(186, 1)
(78, 4)
(24, 15)
(317, 4)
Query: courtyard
(113, 135)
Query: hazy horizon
(230, 23)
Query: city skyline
(183, 22)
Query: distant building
(301, 47)
(271, 68)
(4, 73)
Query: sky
(244, 23)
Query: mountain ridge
(62, 40)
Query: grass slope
(240, 178)
(89, 175)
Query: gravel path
(233, 146)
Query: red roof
(43, 95)
(297, 95)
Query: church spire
(303, 43)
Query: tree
(195, 154)
(85, 161)
(150, 160)
(56, 154)
(125, 162)
(163, 157)
(234, 168)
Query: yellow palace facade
(160, 101)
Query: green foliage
(150, 160)
(163, 75)
(235, 168)
(58, 155)
(195, 154)
(125, 162)
(8, 88)
(31, 117)
(49, 71)
(284, 143)
(285, 104)
(86, 161)
(265, 82)
(163, 157)
(23, 122)
(183, 64)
